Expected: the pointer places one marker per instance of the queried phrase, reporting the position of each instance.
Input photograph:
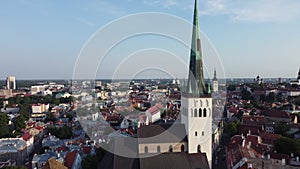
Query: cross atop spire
(196, 85)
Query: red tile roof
(153, 110)
(253, 119)
(70, 159)
(277, 114)
(269, 137)
(87, 149)
(62, 148)
(26, 136)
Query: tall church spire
(215, 75)
(196, 85)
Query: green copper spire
(196, 84)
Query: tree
(282, 128)
(51, 117)
(271, 97)
(64, 133)
(287, 145)
(231, 128)
(19, 123)
(231, 87)
(4, 129)
(3, 119)
(91, 161)
(262, 97)
(246, 95)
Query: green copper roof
(196, 84)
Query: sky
(43, 39)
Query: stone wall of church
(162, 147)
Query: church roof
(170, 160)
(162, 133)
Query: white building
(40, 108)
(37, 89)
(153, 114)
(11, 82)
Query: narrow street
(219, 161)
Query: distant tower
(299, 75)
(11, 82)
(215, 82)
(196, 101)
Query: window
(146, 149)
(204, 112)
(199, 148)
(170, 148)
(182, 148)
(158, 149)
(195, 113)
(201, 103)
(200, 112)
(202, 133)
(196, 133)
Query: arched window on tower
(146, 149)
(200, 112)
(199, 148)
(204, 112)
(195, 113)
(196, 133)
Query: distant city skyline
(41, 40)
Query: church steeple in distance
(196, 85)
(215, 75)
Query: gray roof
(162, 133)
(181, 160)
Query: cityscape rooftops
(12, 145)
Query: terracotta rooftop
(70, 158)
(277, 114)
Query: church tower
(215, 82)
(196, 101)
